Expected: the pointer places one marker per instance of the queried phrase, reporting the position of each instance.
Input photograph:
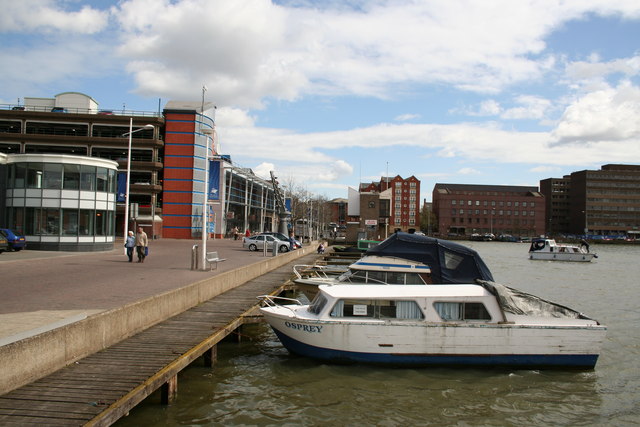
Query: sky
(329, 94)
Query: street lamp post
(126, 210)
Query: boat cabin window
(377, 309)
(317, 304)
(461, 311)
(384, 277)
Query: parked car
(58, 110)
(16, 241)
(4, 244)
(283, 237)
(257, 242)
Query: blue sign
(122, 187)
(214, 180)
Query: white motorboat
(367, 270)
(406, 259)
(476, 324)
(550, 250)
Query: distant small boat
(476, 324)
(549, 250)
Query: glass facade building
(61, 202)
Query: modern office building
(603, 202)
(61, 202)
(176, 171)
(557, 204)
(236, 197)
(465, 209)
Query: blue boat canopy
(450, 263)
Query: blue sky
(332, 93)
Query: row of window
(56, 176)
(391, 309)
(62, 222)
(495, 222)
(494, 203)
(71, 129)
(454, 212)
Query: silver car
(255, 243)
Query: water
(257, 382)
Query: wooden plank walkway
(103, 387)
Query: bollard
(194, 257)
(275, 249)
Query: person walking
(141, 244)
(130, 243)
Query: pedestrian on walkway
(141, 244)
(130, 243)
(235, 233)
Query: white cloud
(530, 107)
(406, 117)
(247, 50)
(468, 171)
(48, 15)
(263, 170)
(609, 115)
(594, 69)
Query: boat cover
(450, 262)
(518, 302)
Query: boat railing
(305, 270)
(273, 300)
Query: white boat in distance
(549, 250)
(484, 324)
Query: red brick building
(465, 209)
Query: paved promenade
(41, 290)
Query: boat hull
(559, 256)
(428, 344)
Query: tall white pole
(126, 208)
(203, 256)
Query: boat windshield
(384, 277)
(317, 304)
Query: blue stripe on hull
(582, 361)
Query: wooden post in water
(211, 357)
(169, 390)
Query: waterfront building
(466, 209)
(60, 202)
(404, 199)
(176, 171)
(557, 203)
(368, 214)
(603, 202)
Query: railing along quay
(101, 388)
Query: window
(52, 176)
(34, 175)
(377, 309)
(461, 311)
(71, 177)
(102, 178)
(69, 222)
(88, 178)
(317, 304)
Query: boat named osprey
(483, 324)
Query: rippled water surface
(258, 383)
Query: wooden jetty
(101, 388)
